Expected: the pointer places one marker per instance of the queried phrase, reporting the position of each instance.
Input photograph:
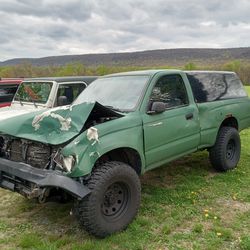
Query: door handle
(189, 116)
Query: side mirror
(157, 108)
(62, 100)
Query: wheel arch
(127, 155)
(230, 122)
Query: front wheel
(114, 199)
(225, 154)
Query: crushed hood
(53, 126)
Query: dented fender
(107, 136)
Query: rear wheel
(114, 199)
(225, 154)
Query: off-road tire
(114, 199)
(225, 154)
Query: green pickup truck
(121, 126)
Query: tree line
(27, 70)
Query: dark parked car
(8, 88)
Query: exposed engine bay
(36, 154)
(100, 114)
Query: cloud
(72, 9)
(36, 29)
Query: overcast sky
(30, 28)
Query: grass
(185, 205)
(248, 89)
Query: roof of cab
(208, 72)
(11, 80)
(150, 72)
(86, 79)
(169, 71)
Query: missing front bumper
(28, 181)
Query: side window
(7, 93)
(70, 91)
(171, 90)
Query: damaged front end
(31, 159)
(34, 169)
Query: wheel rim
(230, 151)
(115, 201)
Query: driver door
(175, 131)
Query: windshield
(34, 92)
(121, 93)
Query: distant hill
(172, 57)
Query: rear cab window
(213, 86)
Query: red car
(8, 88)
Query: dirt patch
(211, 174)
(234, 205)
(188, 226)
(232, 208)
(154, 178)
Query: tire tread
(85, 208)
(216, 154)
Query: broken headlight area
(64, 162)
(35, 154)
